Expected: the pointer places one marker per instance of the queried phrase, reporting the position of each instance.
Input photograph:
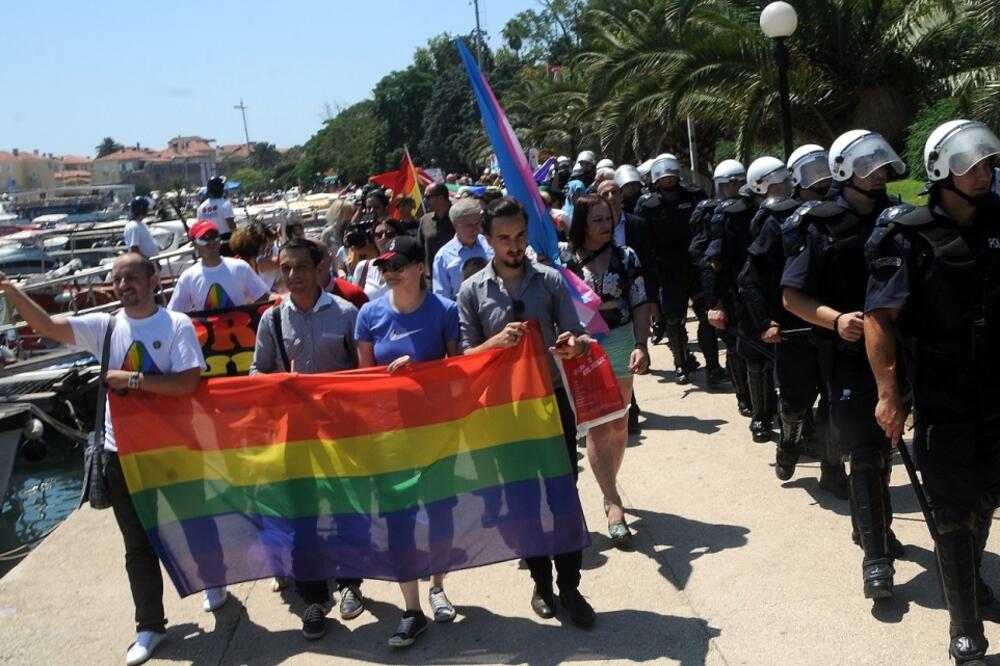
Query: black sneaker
(543, 603)
(580, 612)
(761, 429)
(411, 625)
(744, 408)
(314, 622)
(682, 376)
(877, 577)
(352, 602)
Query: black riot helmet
(216, 187)
(139, 207)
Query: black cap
(401, 250)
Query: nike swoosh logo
(395, 337)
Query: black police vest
(958, 308)
(669, 222)
(844, 282)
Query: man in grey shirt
(310, 331)
(493, 306)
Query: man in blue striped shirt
(466, 216)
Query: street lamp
(778, 21)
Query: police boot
(989, 607)
(656, 330)
(633, 417)
(790, 444)
(956, 558)
(869, 518)
(833, 479)
(737, 367)
(762, 419)
(708, 343)
(677, 341)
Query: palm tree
(107, 146)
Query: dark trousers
(141, 565)
(567, 564)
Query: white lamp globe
(778, 20)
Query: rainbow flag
(454, 464)
(517, 175)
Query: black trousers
(141, 564)
(567, 564)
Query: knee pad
(952, 521)
(865, 459)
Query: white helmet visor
(813, 170)
(969, 146)
(873, 152)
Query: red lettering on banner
(233, 331)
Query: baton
(759, 346)
(918, 489)
(795, 332)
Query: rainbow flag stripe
(457, 463)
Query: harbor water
(40, 496)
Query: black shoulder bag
(95, 459)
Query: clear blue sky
(75, 72)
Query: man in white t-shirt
(137, 235)
(215, 282)
(217, 207)
(154, 350)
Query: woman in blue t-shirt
(407, 325)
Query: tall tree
(107, 146)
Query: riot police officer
(667, 208)
(825, 284)
(935, 284)
(729, 176)
(585, 162)
(629, 180)
(796, 359)
(730, 235)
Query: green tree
(251, 180)
(342, 144)
(107, 146)
(548, 36)
(264, 156)
(399, 102)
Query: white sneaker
(215, 597)
(145, 644)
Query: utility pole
(479, 36)
(243, 110)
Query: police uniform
(708, 338)
(796, 359)
(670, 222)
(945, 281)
(730, 234)
(831, 267)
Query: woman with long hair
(612, 271)
(409, 324)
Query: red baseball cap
(202, 227)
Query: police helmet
(626, 174)
(606, 164)
(643, 168)
(665, 165)
(586, 156)
(563, 162)
(729, 171)
(956, 147)
(764, 172)
(139, 207)
(216, 186)
(577, 171)
(859, 153)
(808, 165)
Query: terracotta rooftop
(130, 154)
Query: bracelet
(835, 320)
(134, 380)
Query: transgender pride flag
(520, 183)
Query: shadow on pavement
(681, 422)
(478, 636)
(673, 541)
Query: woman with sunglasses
(613, 272)
(215, 282)
(367, 273)
(409, 325)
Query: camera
(358, 234)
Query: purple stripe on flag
(505, 522)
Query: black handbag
(95, 458)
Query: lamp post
(778, 21)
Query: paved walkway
(732, 567)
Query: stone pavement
(731, 567)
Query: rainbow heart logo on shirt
(217, 298)
(138, 359)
